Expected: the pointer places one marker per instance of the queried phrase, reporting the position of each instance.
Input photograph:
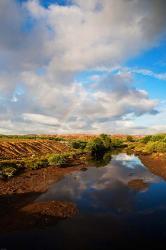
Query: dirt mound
(18, 149)
(57, 209)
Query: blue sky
(47, 3)
(82, 66)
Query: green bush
(116, 142)
(106, 141)
(37, 164)
(158, 137)
(78, 144)
(150, 147)
(56, 138)
(58, 160)
(154, 138)
(96, 147)
(146, 138)
(99, 145)
(161, 147)
(129, 138)
(156, 146)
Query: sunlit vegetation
(31, 153)
(157, 146)
(58, 160)
(78, 144)
(150, 144)
(34, 137)
(130, 138)
(102, 144)
(117, 143)
(9, 168)
(98, 146)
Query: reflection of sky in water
(107, 189)
(129, 161)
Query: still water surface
(121, 206)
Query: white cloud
(43, 119)
(62, 41)
(146, 72)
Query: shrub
(150, 147)
(57, 159)
(8, 172)
(156, 146)
(161, 147)
(146, 139)
(106, 141)
(78, 144)
(96, 147)
(37, 164)
(56, 138)
(158, 137)
(129, 138)
(116, 142)
(99, 145)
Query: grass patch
(37, 164)
(78, 144)
(58, 160)
(156, 146)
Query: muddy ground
(18, 209)
(155, 163)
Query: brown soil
(18, 209)
(156, 164)
(35, 180)
(57, 209)
(18, 149)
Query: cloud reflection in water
(110, 189)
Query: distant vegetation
(10, 168)
(99, 145)
(34, 154)
(38, 151)
(78, 144)
(150, 144)
(34, 137)
(102, 144)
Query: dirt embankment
(156, 164)
(18, 149)
(35, 180)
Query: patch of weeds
(9, 168)
(58, 160)
(7, 172)
(78, 144)
(37, 164)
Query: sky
(76, 66)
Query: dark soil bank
(18, 209)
